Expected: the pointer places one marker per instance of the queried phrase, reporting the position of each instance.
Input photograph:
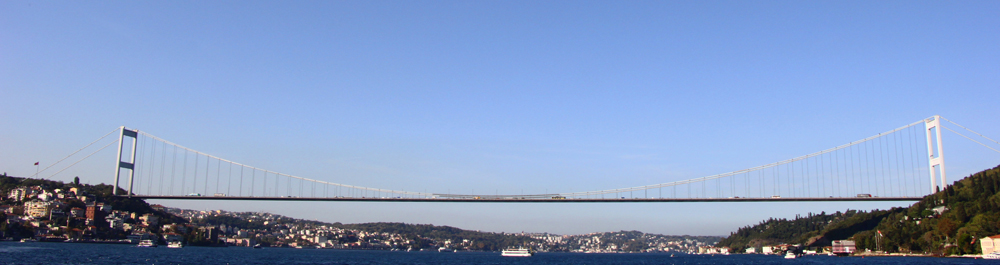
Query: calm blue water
(72, 253)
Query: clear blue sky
(497, 96)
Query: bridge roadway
(527, 200)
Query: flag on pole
(879, 232)
(36, 163)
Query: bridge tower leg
(935, 152)
(130, 165)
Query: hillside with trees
(948, 222)
(811, 230)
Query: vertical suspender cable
(836, 174)
(913, 164)
(207, 162)
(218, 175)
(194, 180)
(173, 167)
(885, 165)
(163, 163)
(805, 175)
(152, 157)
(774, 178)
(819, 176)
(900, 165)
(253, 178)
(870, 168)
(184, 172)
(849, 166)
(140, 165)
(791, 179)
(241, 180)
(229, 181)
(760, 182)
(152, 164)
(892, 164)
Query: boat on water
(789, 255)
(257, 246)
(146, 243)
(444, 249)
(23, 240)
(175, 244)
(994, 255)
(518, 252)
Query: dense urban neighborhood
(45, 210)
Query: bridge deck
(567, 200)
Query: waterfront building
(767, 250)
(990, 244)
(843, 247)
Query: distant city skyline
(512, 97)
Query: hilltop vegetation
(944, 223)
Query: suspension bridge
(903, 164)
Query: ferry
(994, 255)
(175, 244)
(146, 243)
(789, 255)
(519, 252)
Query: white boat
(994, 255)
(146, 243)
(789, 255)
(175, 244)
(518, 252)
(444, 249)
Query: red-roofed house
(990, 244)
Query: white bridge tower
(934, 152)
